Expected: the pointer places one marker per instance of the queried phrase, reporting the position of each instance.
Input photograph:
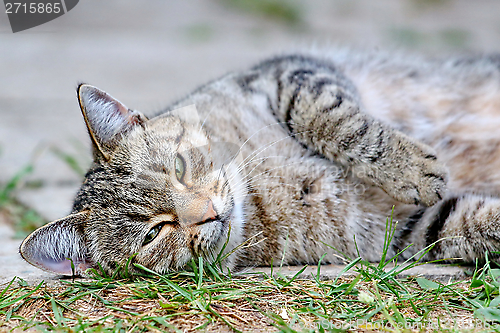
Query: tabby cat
(300, 155)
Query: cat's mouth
(209, 221)
(212, 231)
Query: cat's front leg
(322, 109)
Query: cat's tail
(461, 227)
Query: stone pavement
(443, 273)
(149, 53)
(13, 265)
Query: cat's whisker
(250, 170)
(262, 149)
(237, 173)
(241, 183)
(256, 153)
(255, 159)
(249, 174)
(247, 180)
(271, 177)
(218, 176)
(251, 136)
(267, 170)
(262, 178)
(292, 186)
(261, 159)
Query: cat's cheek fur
(169, 261)
(233, 230)
(236, 221)
(237, 237)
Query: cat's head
(158, 190)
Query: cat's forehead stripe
(181, 134)
(163, 218)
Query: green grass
(206, 299)
(412, 38)
(77, 158)
(23, 219)
(287, 11)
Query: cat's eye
(179, 168)
(151, 235)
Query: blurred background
(148, 53)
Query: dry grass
(216, 303)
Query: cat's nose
(210, 214)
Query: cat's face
(158, 190)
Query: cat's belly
(303, 206)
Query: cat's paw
(417, 176)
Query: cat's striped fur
(329, 143)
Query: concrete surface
(149, 53)
(13, 265)
(443, 273)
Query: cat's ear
(57, 246)
(107, 118)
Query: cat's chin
(210, 236)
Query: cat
(328, 145)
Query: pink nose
(210, 214)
